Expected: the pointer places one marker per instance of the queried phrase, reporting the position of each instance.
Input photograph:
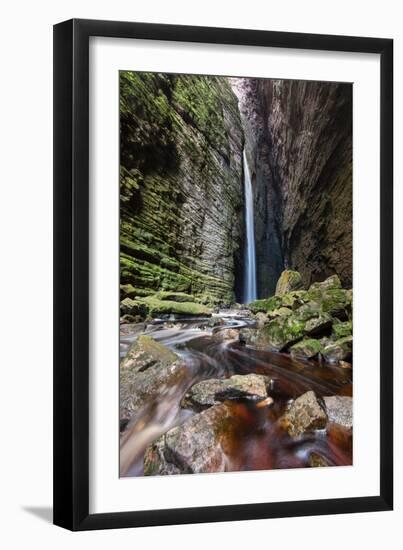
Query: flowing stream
(259, 442)
(250, 259)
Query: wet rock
(288, 281)
(304, 415)
(316, 326)
(226, 334)
(129, 319)
(128, 306)
(341, 330)
(193, 447)
(261, 319)
(295, 299)
(248, 336)
(148, 371)
(158, 308)
(265, 305)
(337, 303)
(280, 312)
(308, 348)
(339, 409)
(155, 463)
(345, 365)
(280, 333)
(315, 460)
(330, 282)
(211, 392)
(340, 350)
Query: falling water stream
(250, 255)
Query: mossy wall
(298, 137)
(181, 191)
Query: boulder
(280, 333)
(336, 302)
(339, 409)
(308, 348)
(304, 415)
(265, 305)
(174, 296)
(211, 392)
(226, 334)
(316, 460)
(193, 447)
(288, 281)
(148, 371)
(279, 312)
(294, 299)
(341, 330)
(316, 326)
(330, 282)
(261, 319)
(340, 350)
(136, 308)
(248, 336)
(165, 308)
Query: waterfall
(250, 252)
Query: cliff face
(181, 185)
(299, 139)
(269, 254)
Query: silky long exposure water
(258, 442)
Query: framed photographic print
(223, 321)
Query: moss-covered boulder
(281, 333)
(265, 305)
(160, 308)
(128, 306)
(288, 281)
(280, 312)
(295, 298)
(308, 348)
(335, 301)
(317, 326)
(330, 282)
(147, 370)
(341, 330)
(175, 296)
(340, 350)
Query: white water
(250, 252)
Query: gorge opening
(236, 326)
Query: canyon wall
(299, 140)
(181, 187)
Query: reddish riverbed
(256, 441)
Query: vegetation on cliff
(181, 186)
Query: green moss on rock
(180, 178)
(265, 305)
(342, 330)
(288, 281)
(158, 308)
(308, 348)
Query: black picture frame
(71, 274)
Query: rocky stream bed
(262, 386)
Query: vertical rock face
(299, 137)
(181, 188)
(269, 256)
